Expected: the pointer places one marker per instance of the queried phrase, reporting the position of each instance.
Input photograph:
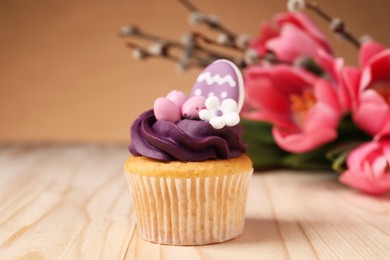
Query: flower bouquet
(304, 108)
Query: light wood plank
(72, 202)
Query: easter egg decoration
(177, 97)
(222, 79)
(192, 107)
(165, 109)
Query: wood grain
(72, 202)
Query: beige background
(65, 75)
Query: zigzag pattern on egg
(216, 79)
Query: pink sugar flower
(292, 35)
(369, 168)
(304, 109)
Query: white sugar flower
(219, 115)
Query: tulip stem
(336, 24)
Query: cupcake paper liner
(190, 211)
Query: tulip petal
(264, 95)
(299, 142)
(331, 65)
(326, 93)
(334, 67)
(292, 43)
(320, 116)
(267, 31)
(379, 166)
(291, 80)
(378, 67)
(368, 168)
(372, 112)
(350, 78)
(355, 157)
(385, 131)
(358, 181)
(369, 50)
(306, 24)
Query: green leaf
(314, 160)
(309, 64)
(258, 131)
(262, 149)
(265, 156)
(347, 130)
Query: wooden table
(72, 202)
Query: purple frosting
(186, 140)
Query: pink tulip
(292, 35)
(304, 109)
(369, 168)
(334, 69)
(371, 89)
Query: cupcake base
(177, 209)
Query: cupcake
(188, 172)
